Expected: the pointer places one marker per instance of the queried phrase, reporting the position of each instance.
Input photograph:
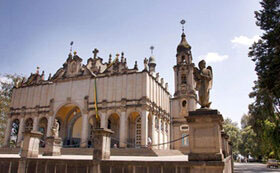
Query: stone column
(163, 135)
(84, 137)
(8, 132)
(20, 130)
(168, 135)
(102, 144)
(103, 123)
(153, 131)
(144, 127)
(35, 123)
(159, 133)
(50, 123)
(123, 129)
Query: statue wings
(211, 75)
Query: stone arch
(132, 126)
(28, 124)
(43, 126)
(113, 123)
(70, 127)
(93, 122)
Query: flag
(95, 99)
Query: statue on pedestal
(55, 128)
(203, 77)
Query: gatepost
(29, 149)
(102, 147)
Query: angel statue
(55, 128)
(203, 77)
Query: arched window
(28, 125)
(109, 124)
(185, 140)
(156, 123)
(184, 103)
(183, 79)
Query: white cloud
(214, 57)
(245, 41)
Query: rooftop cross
(183, 23)
(95, 51)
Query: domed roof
(184, 45)
(152, 60)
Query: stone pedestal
(31, 143)
(102, 144)
(205, 140)
(53, 146)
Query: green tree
(265, 111)
(232, 130)
(7, 83)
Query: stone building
(133, 103)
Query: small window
(183, 79)
(109, 124)
(185, 140)
(184, 103)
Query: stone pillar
(123, 129)
(31, 142)
(102, 144)
(20, 130)
(35, 123)
(164, 135)
(50, 123)
(205, 135)
(8, 132)
(153, 131)
(84, 137)
(53, 146)
(144, 128)
(103, 123)
(168, 135)
(159, 133)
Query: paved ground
(253, 167)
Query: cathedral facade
(133, 103)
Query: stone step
(114, 151)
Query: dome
(184, 45)
(152, 60)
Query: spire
(152, 62)
(183, 45)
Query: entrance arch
(70, 125)
(134, 132)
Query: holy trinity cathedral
(134, 103)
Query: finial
(37, 70)
(122, 57)
(95, 52)
(152, 49)
(110, 58)
(71, 44)
(183, 23)
(75, 53)
(135, 66)
(50, 76)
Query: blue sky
(37, 33)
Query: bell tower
(184, 99)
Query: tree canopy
(265, 110)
